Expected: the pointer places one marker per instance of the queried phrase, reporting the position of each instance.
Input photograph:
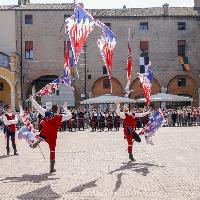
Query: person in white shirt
(10, 120)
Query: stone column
(12, 99)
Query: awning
(162, 97)
(107, 98)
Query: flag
(106, 44)
(27, 132)
(184, 61)
(146, 80)
(49, 88)
(129, 69)
(67, 81)
(25, 119)
(44, 91)
(154, 123)
(144, 62)
(78, 27)
(68, 56)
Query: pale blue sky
(114, 3)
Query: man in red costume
(10, 120)
(129, 127)
(50, 126)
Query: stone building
(10, 70)
(165, 32)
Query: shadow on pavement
(141, 168)
(44, 193)
(4, 156)
(82, 187)
(119, 182)
(29, 178)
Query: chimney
(165, 9)
(23, 2)
(124, 6)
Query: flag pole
(111, 89)
(128, 79)
(41, 151)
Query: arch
(7, 93)
(138, 91)
(190, 88)
(98, 87)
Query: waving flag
(106, 44)
(78, 27)
(155, 122)
(146, 80)
(26, 120)
(55, 85)
(28, 132)
(129, 67)
(49, 88)
(68, 56)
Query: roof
(140, 12)
(123, 12)
(8, 7)
(49, 6)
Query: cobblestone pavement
(95, 165)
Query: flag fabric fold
(106, 44)
(55, 85)
(129, 69)
(184, 61)
(28, 132)
(154, 123)
(78, 27)
(146, 80)
(49, 88)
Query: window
(105, 70)
(28, 19)
(29, 49)
(106, 84)
(181, 25)
(181, 48)
(108, 25)
(144, 26)
(89, 76)
(4, 60)
(1, 86)
(144, 45)
(181, 82)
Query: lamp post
(85, 70)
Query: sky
(114, 3)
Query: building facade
(164, 33)
(10, 70)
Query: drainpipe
(21, 55)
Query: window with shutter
(29, 49)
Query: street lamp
(85, 70)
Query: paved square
(95, 165)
